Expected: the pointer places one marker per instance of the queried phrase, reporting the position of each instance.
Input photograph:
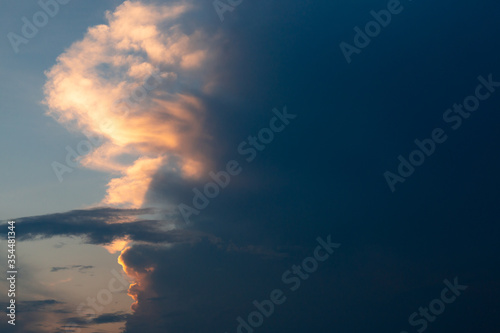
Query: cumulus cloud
(198, 287)
(158, 150)
(86, 88)
(309, 184)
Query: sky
(250, 166)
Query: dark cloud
(80, 268)
(199, 281)
(29, 306)
(103, 226)
(323, 175)
(30, 315)
(105, 318)
(111, 318)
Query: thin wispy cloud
(103, 226)
(80, 268)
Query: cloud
(192, 287)
(131, 187)
(103, 226)
(86, 88)
(104, 318)
(34, 316)
(81, 268)
(111, 318)
(75, 324)
(186, 279)
(312, 183)
(29, 306)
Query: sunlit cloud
(131, 188)
(117, 245)
(140, 277)
(86, 87)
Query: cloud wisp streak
(102, 226)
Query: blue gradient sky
(43, 141)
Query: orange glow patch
(139, 278)
(117, 246)
(192, 169)
(131, 188)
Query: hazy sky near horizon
(296, 140)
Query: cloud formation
(86, 88)
(34, 315)
(176, 284)
(163, 147)
(103, 226)
(80, 268)
(314, 182)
